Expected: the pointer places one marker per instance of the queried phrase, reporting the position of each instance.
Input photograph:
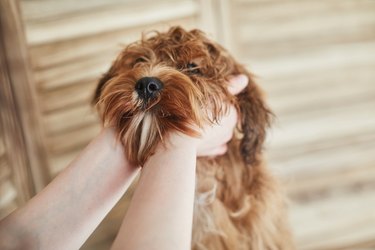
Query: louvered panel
(305, 24)
(315, 61)
(42, 10)
(122, 15)
(48, 55)
(313, 58)
(72, 73)
(322, 92)
(69, 97)
(319, 98)
(332, 214)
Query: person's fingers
(221, 132)
(215, 137)
(237, 83)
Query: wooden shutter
(315, 60)
(71, 43)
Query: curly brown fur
(239, 205)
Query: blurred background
(315, 59)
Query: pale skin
(67, 211)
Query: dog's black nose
(147, 87)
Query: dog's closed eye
(193, 68)
(139, 60)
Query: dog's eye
(193, 68)
(139, 60)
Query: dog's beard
(182, 105)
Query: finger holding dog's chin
(215, 138)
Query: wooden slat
(68, 98)
(330, 91)
(314, 60)
(346, 137)
(72, 140)
(355, 76)
(319, 24)
(270, 11)
(77, 72)
(53, 54)
(329, 122)
(340, 182)
(310, 61)
(325, 161)
(69, 119)
(337, 222)
(41, 10)
(310, 147)
(119, 17)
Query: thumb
(237, 83)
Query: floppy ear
(99, 88)
(255, 119)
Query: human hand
(215, 137)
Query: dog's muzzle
(148, 87)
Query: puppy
(173, 80)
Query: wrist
(175, 146)
(111, 147)
(179, 140)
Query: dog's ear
(255, 118)
(99, 88)
(104, 79)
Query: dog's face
(175, 81)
